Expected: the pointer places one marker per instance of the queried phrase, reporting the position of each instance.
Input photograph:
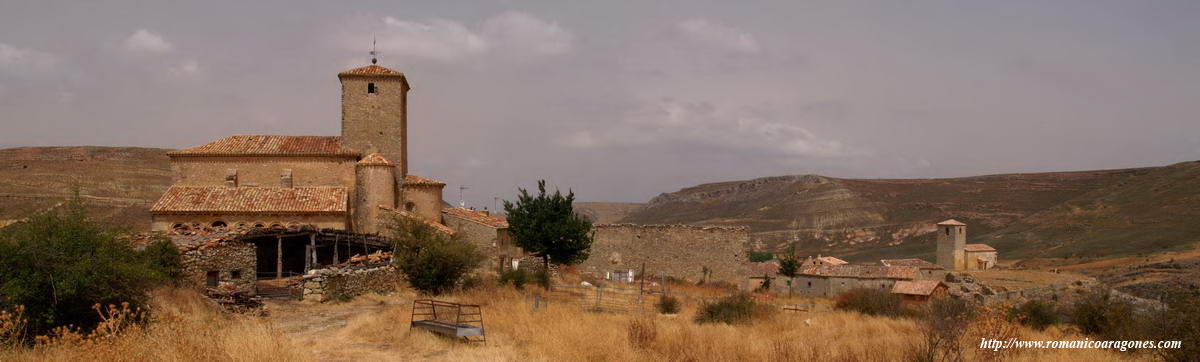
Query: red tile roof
(270, 145)
(915, 287)
(952, 222)
(910, 262)
(375, 159)
(436, 226)
(371, 70)
(861, 271)
(481, 217)
(251, 200)
(415, 180)
(978, 247)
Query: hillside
(607, 212)
(119, 183)
(1055, 214)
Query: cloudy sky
(623, 100)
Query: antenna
(373, 52)
(461, 203)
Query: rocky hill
(1056, 214)
(607, 212)
(118, 183)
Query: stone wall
(830, 286)
(423, 200)
(264, 171)
(679, 251)
(376, 122)
(163, 222)
(980, 260)
(323, 285)
(375, 187)
(232, 263)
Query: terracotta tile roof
(251, 200)
(437, 226)
(481, 217)
(919, 263)
(270, 145)
(952, 222)
(371, 70)
(375, 159)
(915, 287)
(978, 247)
(861, 271)
(421, 181)
(832, 260)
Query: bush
(1036, 314)
(433, 262)
(761, 256)
(1178, 321)
(737, 308)
(642, 333)
(1097, 312)
(942, 329)
(59, 263)
(517, 277)
(870, 302)
(667, 304)
(163, 257)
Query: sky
(623, 100)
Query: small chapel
(345, 182)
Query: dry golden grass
(185, 327)
(376, 328)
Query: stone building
(926, 270)
(919, 291)
(823, 260)
(487, 232)
(830, 280)
(677, 251)
(953, 252)
(335, 182)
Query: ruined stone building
(926, 270)
(953, 252)
(336, 182)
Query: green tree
(59, 263)
(547, 227)
(761, 257)
(789, 266)
(432, 261)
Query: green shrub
(761, 256)
(737, 308)
(431, 261)
(517, 277)
(163, 257)
(1036, 314)
(1099, 313)
(871, 302)
(667, 304)
(57, 264)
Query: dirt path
(320, 327)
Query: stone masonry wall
(323, 285)
(264, 171)
(426, 201)
(679, 251)
(233, 263)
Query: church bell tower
(375, 113)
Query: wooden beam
(278, 257)
(312, 242)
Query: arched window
(260, 225)
(276, 225)
(410, 206)
(947, 230)
(219, 224)
(179, 227)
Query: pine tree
(547, 227)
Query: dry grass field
(374, 327)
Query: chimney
(285, 178)
(231, 178)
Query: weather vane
(373, 52)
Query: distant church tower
(375, 113)
(951, 238)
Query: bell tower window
(370, 88)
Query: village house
(829, 280)
(919, 291)
(927, 270)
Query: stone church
(341, 182)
